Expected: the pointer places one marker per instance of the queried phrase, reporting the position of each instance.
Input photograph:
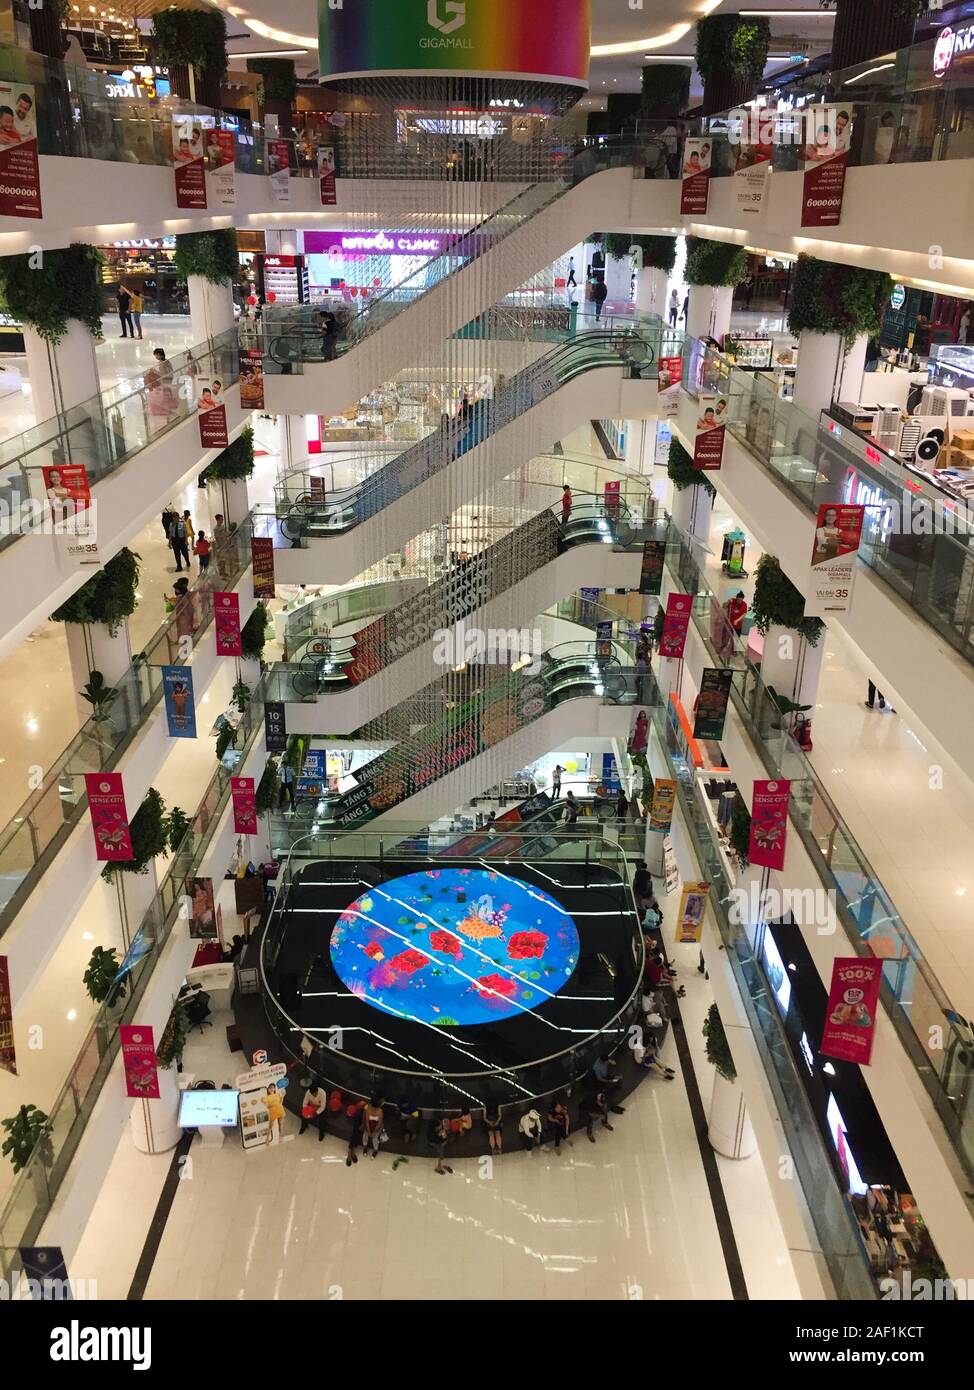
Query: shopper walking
(179, 539)
(313, 1110)
(202, 551)
(566, 505)
(124, 301)
(570, 281)
(674, 311)
(622, 806)
(600, 294)
(556, 782)
(137, 311)
(286, 794)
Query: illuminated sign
(380, 243)
(949, 44)
(898, 298)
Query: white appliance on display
(945, 400)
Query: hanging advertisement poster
(850, 1017)
(278, 160)
(251, 379)
(67, 491)
(317, 489)
(671, 872)
(109, 818)
(711, 709)
(226, 620)
(243, 794)
(211, 412)
(8, 1054)
(675, 625)
(669, 375)
(603, 641)
(769, 824)
(177, 689)
(327, 171)
(708, 444)
(262, 1104)
(189, 162)
(651, 573)
(693, 901)
(838, 532)
(661, 807)
(20, 170)
(262, 554)
(695, 189)
(139, 1061)
(613, 493)
(824, 159)
(202, 910)
(221, 190)
(752, 166)
(275, 727)
(312, 781)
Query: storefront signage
(226, 622)
(824, 158)
(898, 298)
(769, 824)
(20, 170)
(850, 1018)
(139, 1061)
(177, 687)
(275, 727)
(243, 795)
(838, 533)
(262, 556)
(675, 626)
(949, 45)
(695, 189)
(693, 901)
(8, 1055)
(711, 709)
(109, 818)
(708, 445)
(376, 243)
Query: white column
(792, 665)
(153, 1123)
(709, 311)
(651, 291)
(63, 376)
(210, 307)
(229, 497)
(853, 369)
(640, 445)
(728, 1127)
(284, 241)
(820, 363)
(692, 510)
(91, 647)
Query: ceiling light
(267, 53)
(609, 50)
(788, 14)
(72, 1015)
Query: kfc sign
(949, 45)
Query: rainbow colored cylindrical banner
(515, 38)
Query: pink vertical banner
(244, 796)
(109, 818)
(769, 824)
(850, 1019)
(675, 625)
(139, 1061)
(226, 621)
(613, 493)
(695, 187)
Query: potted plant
(728, 1129)
(108, 597)
(28, 1135)
(65, 285)
(777, 603)
(100, 697)
(253, 634)
(210, 255)
(149, 831)
(178, 827)
(739, 839)
(170, 1049)
(715, 263)
(100, 977)
(265, 797)
(197, 40)
(241, 695)
(682, 474)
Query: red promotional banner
(278, 159)
(139, 1061)
(317, 488)
(244, 795)
(8, 1055)
(189, 162)
(850, 1019)
(109, 818)
(838, 533)
(211, 413)
(708, 445)
(675, 625)
(326, 176)
(251, 379)
(226, 622)
(220, 169)
(20, 172)
(769, 824)
(262, 554)
(612, 494)
(695, 190)
(825, 156)
(67, 489)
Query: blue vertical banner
(177, 686)
(312, 779)
(44, 1264)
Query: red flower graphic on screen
(374, 950)
(527, 945)
(495, 987)
(446, 942)
(408, 962)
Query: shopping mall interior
(521, 583)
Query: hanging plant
(666, 88)
(174, 1035)
(241, 694)
(681, 472)
(108, 597)
(714, 262)
(739, 838)
(226, 738)
(253, 634)
(149, 829)
(718, 1048)
(659, 252)
(658, 621)
(178, 828)
(296, 753)
(843, 299)
(616, 244)
(47, 290)
(279, 80)
(265, 797)
(235, 463)
(191, 38)
(100, 977)
(778, 603)
(729, 45)
(211, 255)
(28, 1134)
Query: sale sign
(327, 170)
(850, 1018)
(226, 623)
(20, 170)
(139, 1061)
(695, 190)
(669, 374)
(838, 533)
(708, 444)
(675, 625)
(109, 818)
(189, 162)
(211, 412)
(769, 824)
(244, 796)
(262, 556)
(277, 167)
(824, 160)
(661, 807)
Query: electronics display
(208, 1108)
(284, 277)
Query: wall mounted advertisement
(838, 533)
(67, 490)
(708, 444)
(327, 175)
(668, 378)
(850, 1018)
(109, 818)
(275, 727)
(139, 1061)
(671, 872)
(693, 901)
(243, 794)
(20, 170)
(695, 189)
(824, 159)
(661, 807)
(651, 573)
(203, 922)
(211, 412)
(226, 621)
(251, 379)
(313, 779)
(769, 823)
(189, 162)
(751, 168)
(603, 641)
(278, 160)
(177, 689)
(221, 187)
(262, 555)
(262, 1104)
(8, 1054)
(711, 708)
(675, 625)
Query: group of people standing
(182, 537)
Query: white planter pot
(729, 1128)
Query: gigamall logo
(456, 8)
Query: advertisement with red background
(368, 652)
(220, 169)
(769, 824)
(838, 533)
(211, 413)
(67, 489)
(668, 378)
(695, 189)
(824, 159)
(8, 1055)
(226, 621)
(244, 796)
(251, 379)
(675, 625)
(850, 1019)
(189, 162)
(708, 444)
(262, 554)
(109, 818)
(613, 493)
(20, 170)
(327, 168)
(139, 1061)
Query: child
(202, 551)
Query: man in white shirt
(313, 1110)
(529, 1128)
